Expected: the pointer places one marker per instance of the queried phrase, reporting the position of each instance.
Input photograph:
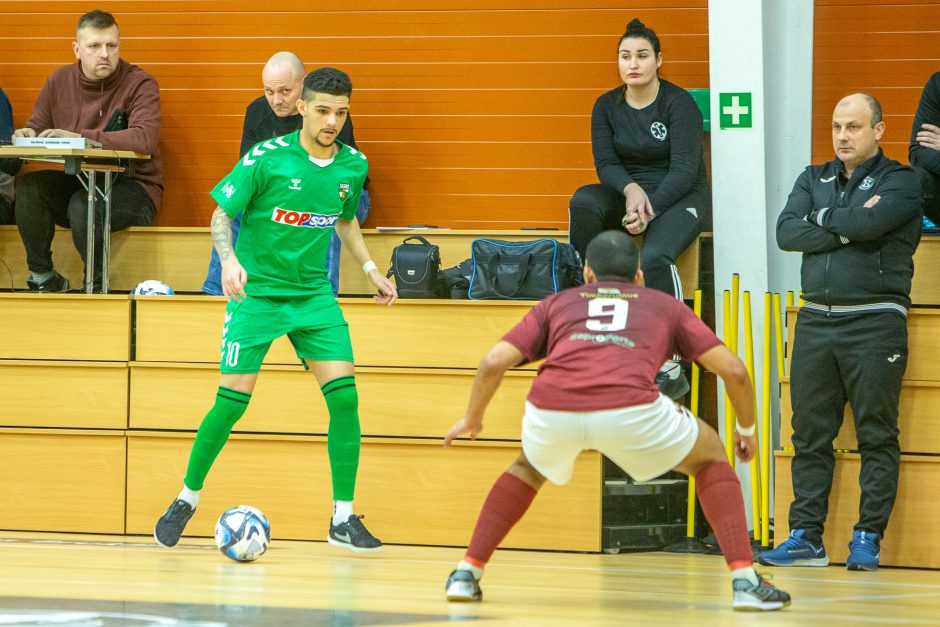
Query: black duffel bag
(416, 268)
(522, 270)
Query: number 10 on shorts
(230, 353)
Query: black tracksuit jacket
(856, 259)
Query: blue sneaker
(795, 551)
(864, 551)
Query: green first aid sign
(735, 110)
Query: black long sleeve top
(658, 147)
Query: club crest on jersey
(658, 131)
(343, 191)
(867, 183)
(228, 189)
(306, 220)
(294, 184)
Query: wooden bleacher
(912, 535)
(105, 393)
(179, 256)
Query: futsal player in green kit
(292, 192)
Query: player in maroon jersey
(603, 344)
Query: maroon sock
(719, 493)
(508, 500)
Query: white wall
(763, 47)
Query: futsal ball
(152, 288)
(243, 533)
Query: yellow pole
(765, 429)
(778, 336)
(729, 411)
(755, 463)
(735, 306)
(693, 407)
(789, 299)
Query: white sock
(190, 496)
(476, 570)
(41, 277)
(342, 510)
(746, 573)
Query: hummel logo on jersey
(294, 184)
(893, 358)
(658, 130)
(308, 220)
(693, 211)
(228, 189)
(867, 183)
(343, 191)
(828, 180)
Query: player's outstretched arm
(349, 233)
(234, 276)
(730, 368)
(489, 375)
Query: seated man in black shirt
(272, 115)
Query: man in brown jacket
(108, 100)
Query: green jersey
(289, 204)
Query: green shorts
(314, 324)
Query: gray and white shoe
(463, 587)
(760, 598)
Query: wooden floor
(118, 580)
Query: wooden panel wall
(473, 114)
(888, 48)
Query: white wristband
(369, 266)
(746, 432)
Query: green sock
(342, 441)
(213, 433)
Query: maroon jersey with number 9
(603, 344)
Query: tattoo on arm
(221, 227)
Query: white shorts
(644, 440)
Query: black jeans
(860, 359)
(6, 211)
(46, 198)
(597, 208)
(930, 186)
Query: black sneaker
(353, 535)
(463, 587)
(760, 598)
(170, 526)
(677, 388)
(55, 283)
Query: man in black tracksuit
(857, 221)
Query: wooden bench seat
(912, 539)
(400, 402)
(413, 491)
(179, 256)
(917, 419)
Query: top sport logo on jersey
(306, 220)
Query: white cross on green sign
(734, 110)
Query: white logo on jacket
(867, 183)
(659, 131)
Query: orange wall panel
(887, 48)
(473, 114)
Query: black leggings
(47, 197)
(596, 208)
